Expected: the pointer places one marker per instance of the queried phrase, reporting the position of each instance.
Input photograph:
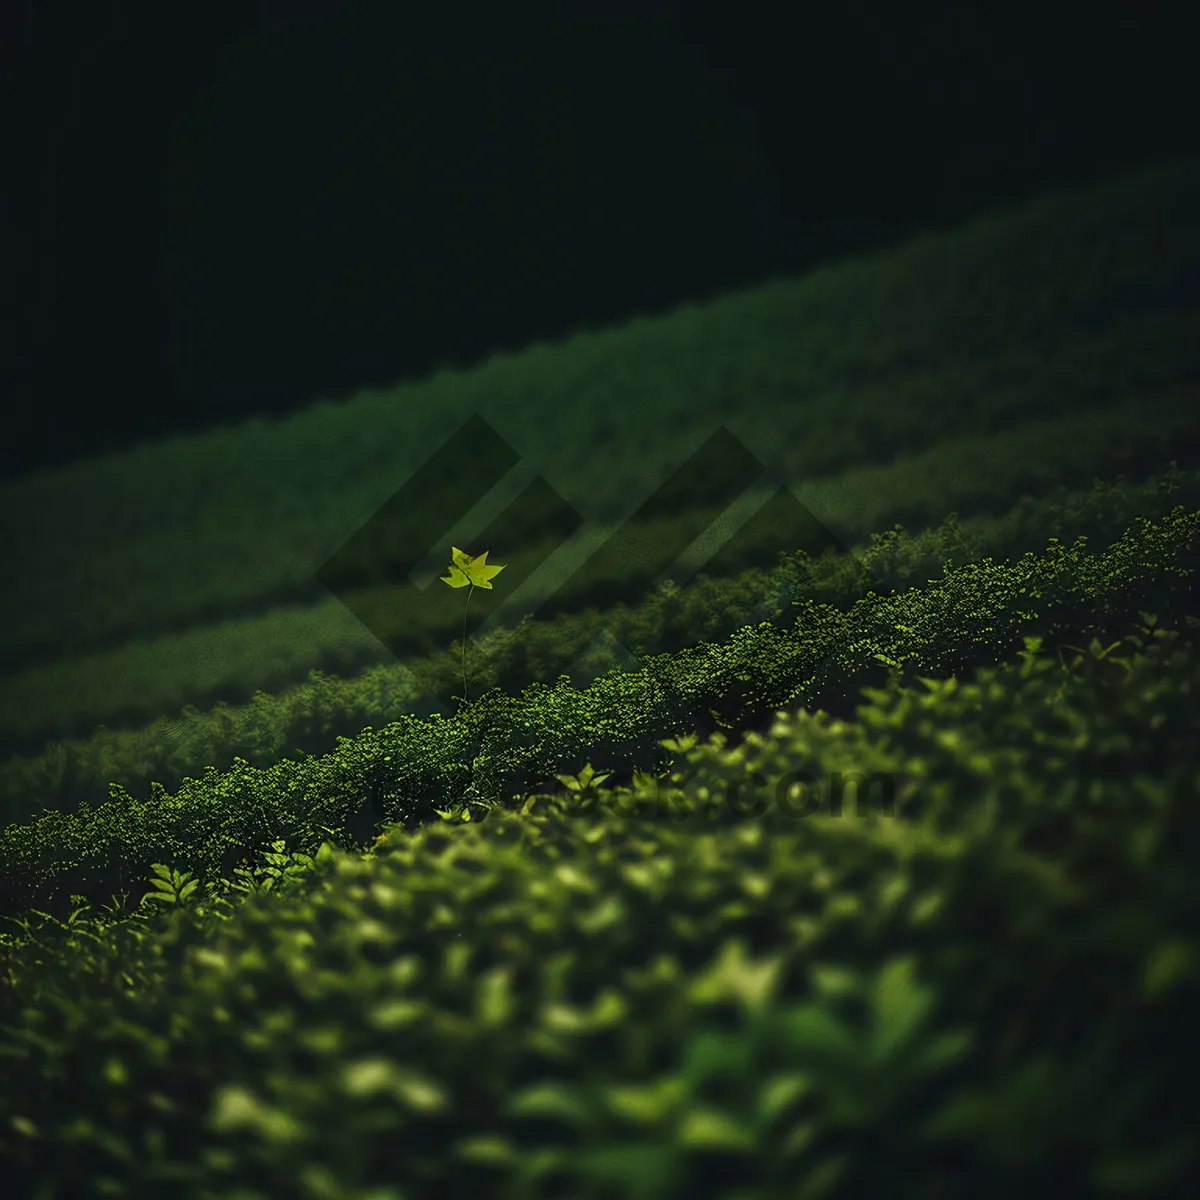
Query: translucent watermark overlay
(372, 574)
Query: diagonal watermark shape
(372, 572)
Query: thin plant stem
(464, 643)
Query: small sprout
(587, 778)
(463, 570)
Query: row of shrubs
(908, 342)
(973, 615)
(124, 685)
(649, 991)
(306, 719)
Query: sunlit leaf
(465, 569)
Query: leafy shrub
(990, 992)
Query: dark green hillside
(147, 569)
(677, 991)
(831, 834)
(816, 653)
(310, 717)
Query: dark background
(212, 211)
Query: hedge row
(307, 718)
(991, 993)
(1091, 298)
(228, 661)
(500, 743)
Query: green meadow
(852, 853)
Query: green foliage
(465, 570)
(908, 341)
(990, 992)
(309, 718)
(232, 659)
(469, 569)
(587, 778)
(972, 616)
(695, 969)
(175, 886)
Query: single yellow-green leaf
(465, 569)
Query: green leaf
(901, 1007)
(818, 1035)
(1167, 963)
(782, 1091)
(488, 1149)
(559, 1101)
(711, 1129)
(732, 974)
(829, 979)
(465, 569)
(24, 1126)
(644, 1104)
